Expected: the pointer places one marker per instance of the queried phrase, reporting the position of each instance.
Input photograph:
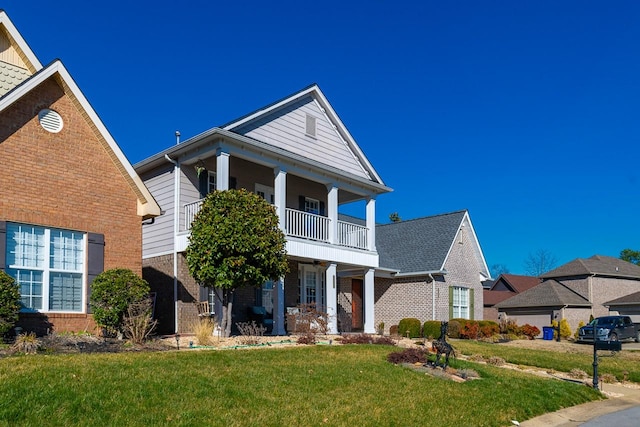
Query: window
(211, 183)
(48, 265)
(312, 286)
(310, 126)
(266, 193)
(311, 206)
(460, 303)
(267, 296)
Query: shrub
(409, 328)
(138, 324)
(530, 331)
(454, 329)
(393, 330)
(366, 339)
(608, 378)
(250, 332)
(408, 355)
(565, 329)
(495, 361)
(576, 334)
(308, 338)
(578, 373)
(26, 343)
(310, 320)
(509, 327)
(488, 328)
(203, 330)
(470, 330)
(112, 292)
(380, 328)
(431, 329)
(9, 302)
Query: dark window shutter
(203, 183)
(322, 208)
(3, 245)
(450, 302)
(301, 203)
(95, 257)
(233, 183)
(471, 304)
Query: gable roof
(147, 206)
(344, 145)
(422, 245)
(549, 293)
(631, 299)
(515, 282)
(598, 265)
(491, 298)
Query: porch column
(222, 170)
(369, 302)
(280, 196)
(332, 213)
(332, 298)
(278, 308)
(371, 223)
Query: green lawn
(316, 385)
(616, 364)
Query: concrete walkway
(621, 409)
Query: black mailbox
(608, 345)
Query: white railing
(190, 211)
(352, 235)
(304, 225)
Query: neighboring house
(505, 286)
(71, 204)
(628, 305)
(431, 268)
(574, 291)
(299, 156)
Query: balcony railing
(306, 226)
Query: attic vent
(310, 128)
(50, 120)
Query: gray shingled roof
(631, 299)
(599, 265)
(547, 294)
(418, 244)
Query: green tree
(394, 217)
(235, 242)
(630, 255)
(9, 302)
(112, 293)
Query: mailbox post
(601, 345)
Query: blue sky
(526, 113)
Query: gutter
(422, 273)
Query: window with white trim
(211, 187)
(312, 286)
(49, 266)
(267, 296)
(266, 193)
(311, 205)
(460, 303)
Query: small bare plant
(476, 358)
(578, 373)
(608, 378)
(138, 324)
(26, 343)
(250, 332)
(310, 320)
(468, 373)
(495, 360)
(307, 338)
(203, 330)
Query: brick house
(71, 203)
(431, 268)
(574, 291)
(504, 287)
(299, 156)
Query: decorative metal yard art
(441, 346)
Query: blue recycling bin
(547, 333)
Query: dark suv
(609, 328)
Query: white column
(222, 170)
(369, 302)
(371, 223)
(280, 195)
(278, 308)
(332, 298)
(332, 213)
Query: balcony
(307, 226)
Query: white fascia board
(146, 208)
(22, 44)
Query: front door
(356, 304)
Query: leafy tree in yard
(9, 302)
(540, 262)
(112, 293)
(631, 256)
(235, 242)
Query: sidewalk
(620, 398)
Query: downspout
(591, 291)
(176, 229)
(433, 297)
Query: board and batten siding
(157, 238)
(286, 128)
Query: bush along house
(71, 204)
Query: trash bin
(547, 333)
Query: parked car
(610, 328)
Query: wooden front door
(356, 304)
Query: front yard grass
(616, 364)
(314, 385)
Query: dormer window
(310, 126)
